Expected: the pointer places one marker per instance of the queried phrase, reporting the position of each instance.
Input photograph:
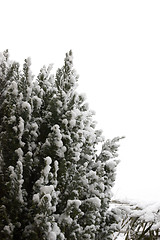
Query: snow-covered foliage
(138, 220)
(53, 183)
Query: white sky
(116, 47)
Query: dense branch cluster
(54, 184)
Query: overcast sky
(116, 47)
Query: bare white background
(116, 47)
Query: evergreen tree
(53, 183)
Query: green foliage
(54, 184)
